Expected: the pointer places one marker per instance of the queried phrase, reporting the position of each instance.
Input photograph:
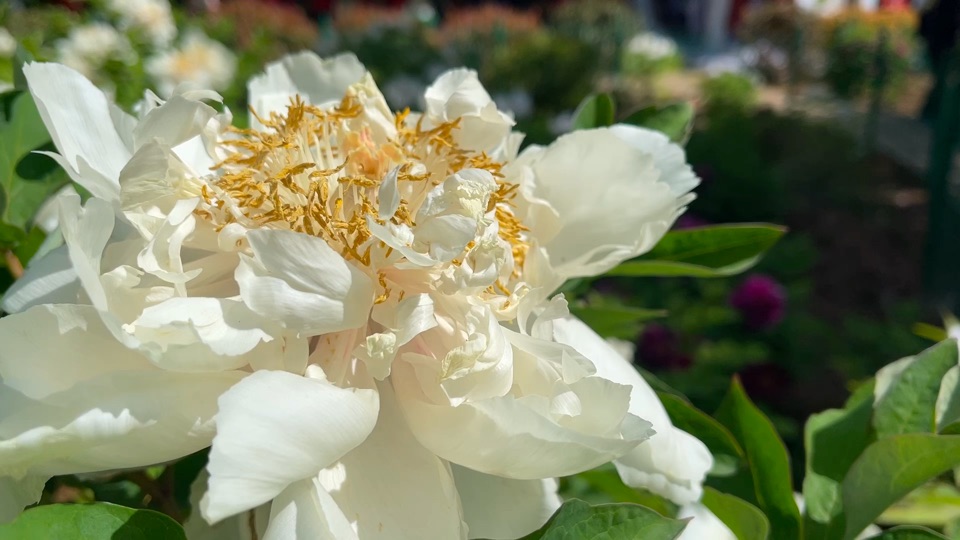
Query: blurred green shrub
(604, 24)
(860, 47)
(728, 93)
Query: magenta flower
(761, 301)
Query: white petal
(80, 122)
(503, 509)
(672, 463)
(318, 81)
(306, 510)
(459, 94)
(276, 428)
(150, 180)
(388, 194)
(669, 158)
(49, 279)
(176, 121)
(510, 436)
(50, 348)
(609, 200)
(86, 232)
(300, 281)
(703, 524)
(200, 334)
(162, 255)
(391, 487)
(17, 494)
(117, 420)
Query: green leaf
(947, 408)
(909, 532)
(577, 520)
(616, 320)
(745, 520)
(908, 391)
(715, 251)
(596, 110)
(891, 468)
(934, 504)
(699, 424)
(767, 459)
(833, 440)
(676, 269)
(674, 120)
(99, 521)
(26, 179)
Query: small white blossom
(88, 47)
(199, 62)
(652, 46)
(153, 18)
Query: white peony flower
(153, 18)
(199, 62)
(88, 47)
(8, 43)
(353, 306)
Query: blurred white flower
(88, 47)
(8, 44)
(826, 8)
(652, 46)
(355, 307)
(152, 17)
(199, 62)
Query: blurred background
(838, 119)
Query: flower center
(322, 172)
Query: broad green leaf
(596, 110)
(699, 424)
(674, 120)
(713, 251)
(891, 468)
(26, 179)
(935, 504)
(908, 391)
(833, 440)
(767, 459)
(577, 520)
(98, 521)
(745, 520)
(909, 532)
(678, 269)
(615, 320)
(947, 409)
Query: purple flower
(761, 301)
(658, 349)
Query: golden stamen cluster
(319, 171)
